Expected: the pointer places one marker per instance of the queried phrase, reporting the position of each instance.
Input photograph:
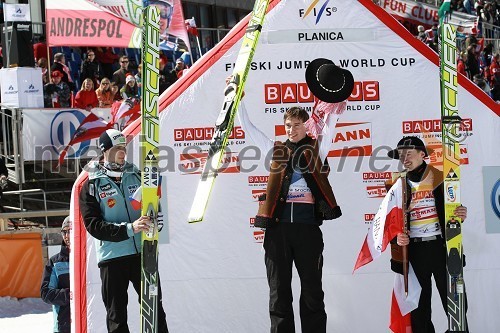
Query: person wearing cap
(54, 289)
(56, 93)
(130, 89)
(175, 73)
(298, 199)
(425, 239)
(116, 227)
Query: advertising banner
(21, 87)
(47, 131)
(113, 23)
(14, 12)
(81, 23)
(421, 13)
(212, 273)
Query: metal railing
(11, 148)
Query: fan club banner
(419, 13)
(112, 23)
(219, 262)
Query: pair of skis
(225, 120)
(451, 123)
(150, 175)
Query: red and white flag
(401, 304)
(387, 223)
(91, 127)
(129, 107)
(191, 26)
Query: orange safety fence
(21, 265)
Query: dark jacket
(55, 289)
(90, 70)
(302, 155)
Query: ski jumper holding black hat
(297, 200)
(55, 283)
(116, 226)
(427, 247)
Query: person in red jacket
(86, 98)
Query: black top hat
(329, 82)
(409, 142)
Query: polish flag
(387, 223)
(191, 26)
(401, 304)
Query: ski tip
(195, 219)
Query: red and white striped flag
(129, 107)
(387, 223)
(91, 127)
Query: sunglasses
(124, 62)
(105, 82)
(91, 54)
(65, 232)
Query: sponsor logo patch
(111, 202)
(110, 193)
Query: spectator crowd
(102, 78)
(479, 57)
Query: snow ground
(26, 315)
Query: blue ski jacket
(55, 289)
(108, 214)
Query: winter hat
(409, 142)
(57, 74)
(328, 82)
(179, 60)
(129, 78)
(66, 223)
(420, 28)
(111, 138)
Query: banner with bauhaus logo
(212, 273)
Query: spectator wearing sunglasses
(121, 74)
(106, 93)
(55, 283)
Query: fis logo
(324, 10)
(11, 87)
(31, 87)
